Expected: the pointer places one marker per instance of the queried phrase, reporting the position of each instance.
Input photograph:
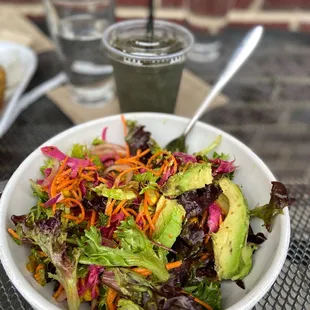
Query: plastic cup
(147, 68)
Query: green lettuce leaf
(279, 199)
(48, 235)
(146, 177)
(135, 250)
(103, 219)
(114, 193)
(211, 147)
(135, 287)
(48, 163)
(147, 180)
(169, 224)
(97, 141)
(37, 191)
(209, 292)
(79, 151)
(127, 304)
(102, 298)
(96, 160)
(220, 156)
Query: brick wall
(293, 15)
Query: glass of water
(76, 27)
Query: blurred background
(291, 15)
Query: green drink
(147, 68)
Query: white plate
(20, 63)
(253, 175)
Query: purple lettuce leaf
(184, 158)
(196, 201)
(279, 199)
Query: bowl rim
(40, 302)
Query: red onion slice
(54, 200)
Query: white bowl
(252, 174)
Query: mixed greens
(138, 227)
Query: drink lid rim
(139, 22)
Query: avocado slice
(233, 257)
(114, 193)
(223, 202)
(196, 176)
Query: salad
(138, 227)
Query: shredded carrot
(173, 265)
(119, 206)
(39, 267)
(207, 238)
(147, 214)
(87, 177)
(186, 166)
(111, 296)
(125, 134)
(64, 184)
(75, 195)
(124, 211)
(93, 218)
(102, 180)
(141, 216)
(42, 254)
(124, 124)
(71, 217)
(133, 159)
(117, 180)
(79, 204)
(58, 292)
(220, 220)
(97, 290)
(175, 164)
(157, 214)
(53, 185)
(133, 212)
(109, 208)
(162, 152)
(79, 192)
(142, 154)
(142, 271)
(66, 172)
(129, 161)
(127, 150)
(204, 256)
(146, 227)
(91, 168)
(204, 304)
(145, 271)
(13, 233)
(70, 187)
(147, 197)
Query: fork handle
(241, 54)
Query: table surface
(269, 111)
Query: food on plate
(134, 226)
(2, 86)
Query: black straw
(150, 23)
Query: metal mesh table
(291, 291)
